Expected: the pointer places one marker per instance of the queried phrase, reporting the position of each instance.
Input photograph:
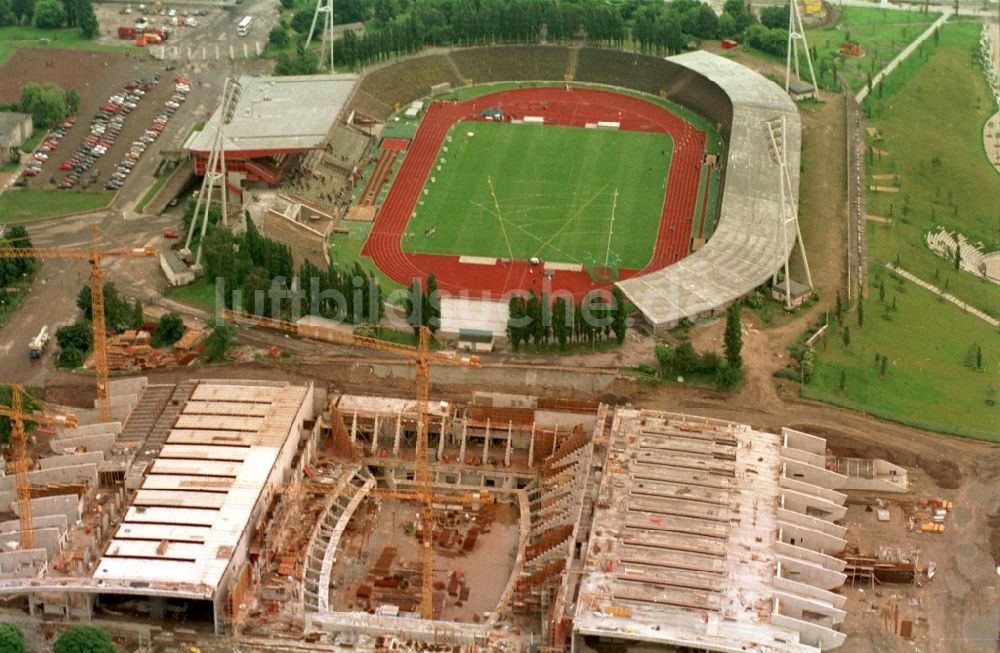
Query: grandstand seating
(512, 63)
(401, 82)
(346, 147)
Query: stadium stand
(400, 82)
(747, 246)
(346, 147)
(512, 63)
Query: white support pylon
(324, 7)
(797, 33)
(775, 130)
(215, 173)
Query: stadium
(553, 169)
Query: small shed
(491, 113)
(15, 129)
(800, 292)
(800, 90)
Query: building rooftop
(698, 538)
(747, 244)
(195, 503)
(279, 114)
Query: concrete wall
(804, 441)
(812, 634)
(66, 460)
(22, 563)
(69, 505)
(55, 476)
(306, 243)
(46, 521)
(813, 474)
(497, 377)
(809, 572)
(49, 540)
(804, 503)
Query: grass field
(927, 383)
(549, 191)
(882, 33)
(12, 38)
(945, 178)
(30, 204)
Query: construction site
(285, 512)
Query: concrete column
(441, 436)
(555, 440)
(375, 435)
(354, 428)
(461, 449)
(510, 440)
(395, 442)
(486, 442)
(531, 447)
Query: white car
(172, 13)
(191, 22)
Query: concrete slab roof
(279, 113)
(195, 503)
(747, 244)
(682, 546)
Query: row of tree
(75, 639)
(540, 320)
(727, 370)
(77, 339)
(51, 14)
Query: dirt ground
(95, 76)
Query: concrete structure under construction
(272, 510)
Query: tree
(665, 358)
(223, 337)
(89, 26)
(884, 366)
(49, 14)
(979, 357)
(169, 330)
(881, 291)
(75, 336)
(432, 304)
(619, 315)
(84, 639)
(278, 37)
(808, 364)
(11, 638)
(45, 102)
(287, 4)
(727, 377)
(517, 329)
(562, 317)
(302, 20)
(840, 309)
(733, 337)
(958, 257)
(775, 17)
(7, 16)
(843, 381)
(23, 10)
(72, 101)
(861, 310)
(847, 336)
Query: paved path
(907, 51)
(991, 131)
(951, 298)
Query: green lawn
(927, 342)
(882, 33)
(12, 38)
(30, 204)
(519, 191)
(200, 294)
(945, 178)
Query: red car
(66, 165)
(170, 233)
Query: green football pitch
(563, 194)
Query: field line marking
(571, 218)
(611, 227)
(503, 228)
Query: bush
(786, 373)
(168, 331)
(49, 14)
(84, 639)
(11, 638)
(222, 338)
(278, 37)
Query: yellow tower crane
(422, 356)
(19, 448)
(93, 255)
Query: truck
(127, 32)
(37, 345)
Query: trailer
(127, 33)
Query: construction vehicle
(19, 447)
(38, 344)
(148, 38)
(422, 357)
(94, 255)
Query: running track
(558, 106)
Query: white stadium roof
(747, 245)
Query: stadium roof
(711, 535)
(193, 509)
(279, 114)
(747, 245)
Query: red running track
(391, 147)
(558, 106)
